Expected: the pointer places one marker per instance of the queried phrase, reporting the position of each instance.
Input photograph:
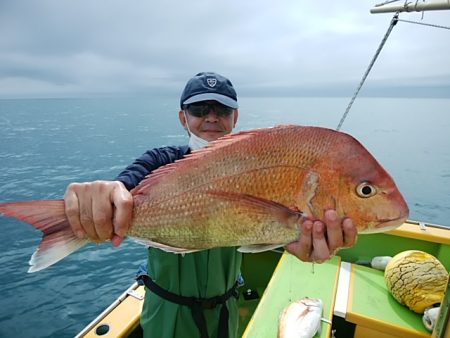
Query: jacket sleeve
(149, 161)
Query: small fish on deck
(430, 317)
(301, 319)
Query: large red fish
(247, 189)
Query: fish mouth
(385, 225)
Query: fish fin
(255, 248)
(262, 205)
(58, 239)
(161, 246)
(189, 160)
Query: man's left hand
(319, 241)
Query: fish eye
(365, 190)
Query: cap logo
(211, 82)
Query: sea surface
(47, 143)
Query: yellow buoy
(416, 279)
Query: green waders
(201, 275)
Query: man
(102, 210)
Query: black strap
(197, 305)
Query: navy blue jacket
(149, 161)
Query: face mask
(195, 142)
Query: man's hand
(100, 210)
(319, 241)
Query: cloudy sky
(75, 48)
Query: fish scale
(262, 163)
(251, 189)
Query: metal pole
(411, 6)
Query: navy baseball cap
(207, 86)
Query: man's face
(214, 124)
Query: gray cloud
(77, 48)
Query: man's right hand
(100, 210)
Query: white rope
(380, 47)
(425, 24)
(394, 20)
(386, 3)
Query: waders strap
(197, 305)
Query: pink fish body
(248, 189)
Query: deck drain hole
(102, 330)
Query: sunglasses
(203, 109)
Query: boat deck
(369, 304)
(375, 312)
(355, 296)
(352, 293)
(291, 281)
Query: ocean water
(45, 144)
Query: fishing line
(394, 21)
(290, 279)
(380, 47)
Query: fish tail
(58, 239)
